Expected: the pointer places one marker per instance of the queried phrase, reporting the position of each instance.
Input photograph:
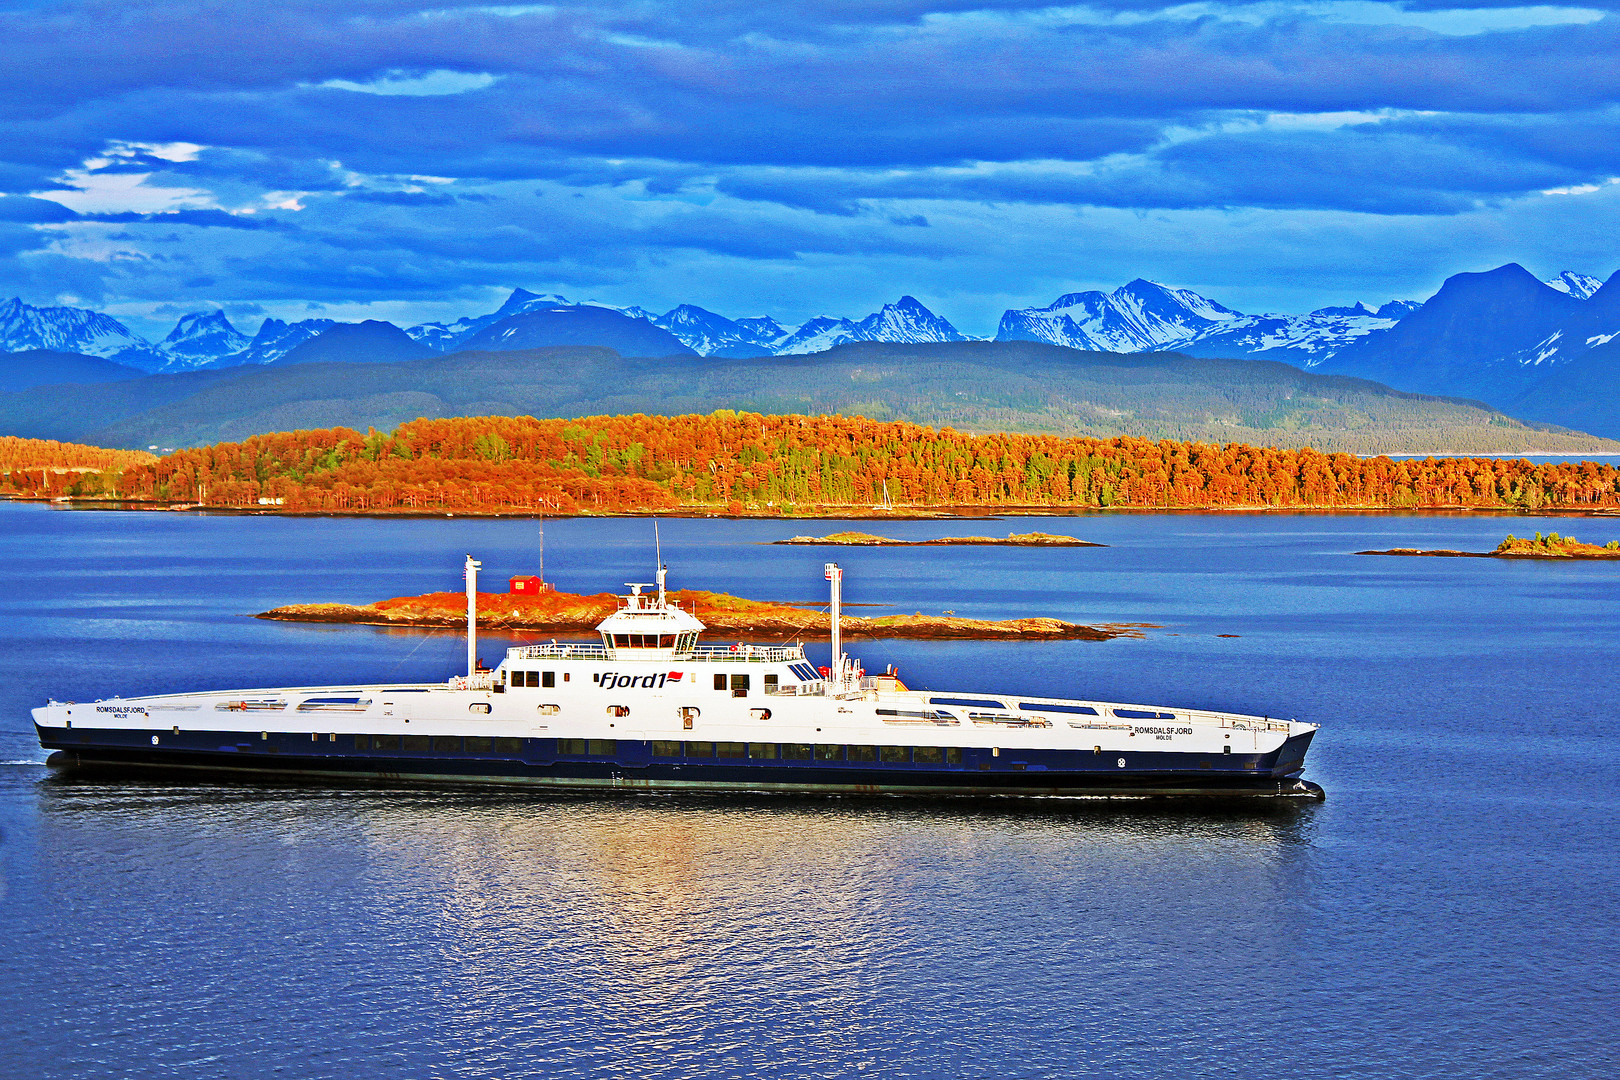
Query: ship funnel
(470, 571)
(835, 574)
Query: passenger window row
(899, 755)
(735, 751)
(439, 744)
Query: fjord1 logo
(612, 680)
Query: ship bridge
(649, 627)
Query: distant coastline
(860, 539)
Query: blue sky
(416, 160)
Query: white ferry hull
(486, 750)
(650, 709)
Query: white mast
(658, 554)
(471, 573)
(835, 574)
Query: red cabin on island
(528, 585)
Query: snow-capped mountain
(448, 337)
(1145, 316)
(708, 334)
(1484, 335)
(819, 335)
(766, 330)
(1302, 340)
(274, 340)
(1139, 317)
(436, 335)
(199, 339)
(635, 311)
(72, 330)
(906, 321)
(1580, 286)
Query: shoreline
(1448, 553)
(825, 513)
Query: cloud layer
(410, 160)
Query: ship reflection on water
(647, 933)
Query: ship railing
(815, 689)
(1250, 723)
(484, 680)
(747, 654)
(561, 651)
(706, 654)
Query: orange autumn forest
(747, 463)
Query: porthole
(1122, 763)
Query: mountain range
(1546, 350)
(1140, 316)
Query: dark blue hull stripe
(535, 761)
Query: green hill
(975, 386)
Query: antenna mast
(658, 552)
(542, 554)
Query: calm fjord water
(1449, 911)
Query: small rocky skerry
(860, 539)
(555, 612)
(1551, 546)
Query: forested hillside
(738, 463)
(47, 467)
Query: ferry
(649, 706)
